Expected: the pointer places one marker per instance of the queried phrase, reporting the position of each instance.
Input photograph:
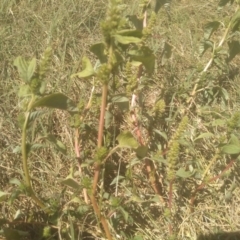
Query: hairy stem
(98, 165)
(25, 163)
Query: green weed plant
(139, 158)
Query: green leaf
(116, 179)
(162, 134)
(166, 53)
(55, 100)
(218, 122)
(108, 119)
(72, 232)
(18, 214)
(15, 181)
(234, 49)
(42, 88)
(145, 56)
(204, 46)
(225, 94)
(130, 33)
(31, 69)
(57, 143)
(204, 135)
(127, 39)
(98, 50)
(222, 3)
(209, 29)
(70, 182)
(236, 21)
(231, 149)
(184, 174)
(87, 71)
(13, 234)
(124, 213)
(138, 23)
(3, 196)
(22, 67)
(141, 151)
(234, 140)
(126, 139)
(140, 237)
(24, 91)
(220, 63)
(121, 101)
(159, 159)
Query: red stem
(211, 180)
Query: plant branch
(201, 186)
(25, 158)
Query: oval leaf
(88, 70)
(22, 67)
(184, 174)
(31, 69)
(145, 56)
(142, 151)
(3, 196)
(234, 49)
(55, 100)
(126, 139)
(204, 135)
(98, 50)
(209, 28)
(127, 39)
(70, 182)
(231, 149)
(130, 33)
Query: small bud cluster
(35, 84)
(75, 120)
(103, 73)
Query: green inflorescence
(234, 122)
(175, 149)
(159, 107)
(113, 21)
(181, 128)
(131, 79)
(147, 31)
(81, 105)
(75, 120)
(101, 154)
(44, 63)
(35, 84)
(172, 160)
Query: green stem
(25, 158)
(102, 116)
(24, 152)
